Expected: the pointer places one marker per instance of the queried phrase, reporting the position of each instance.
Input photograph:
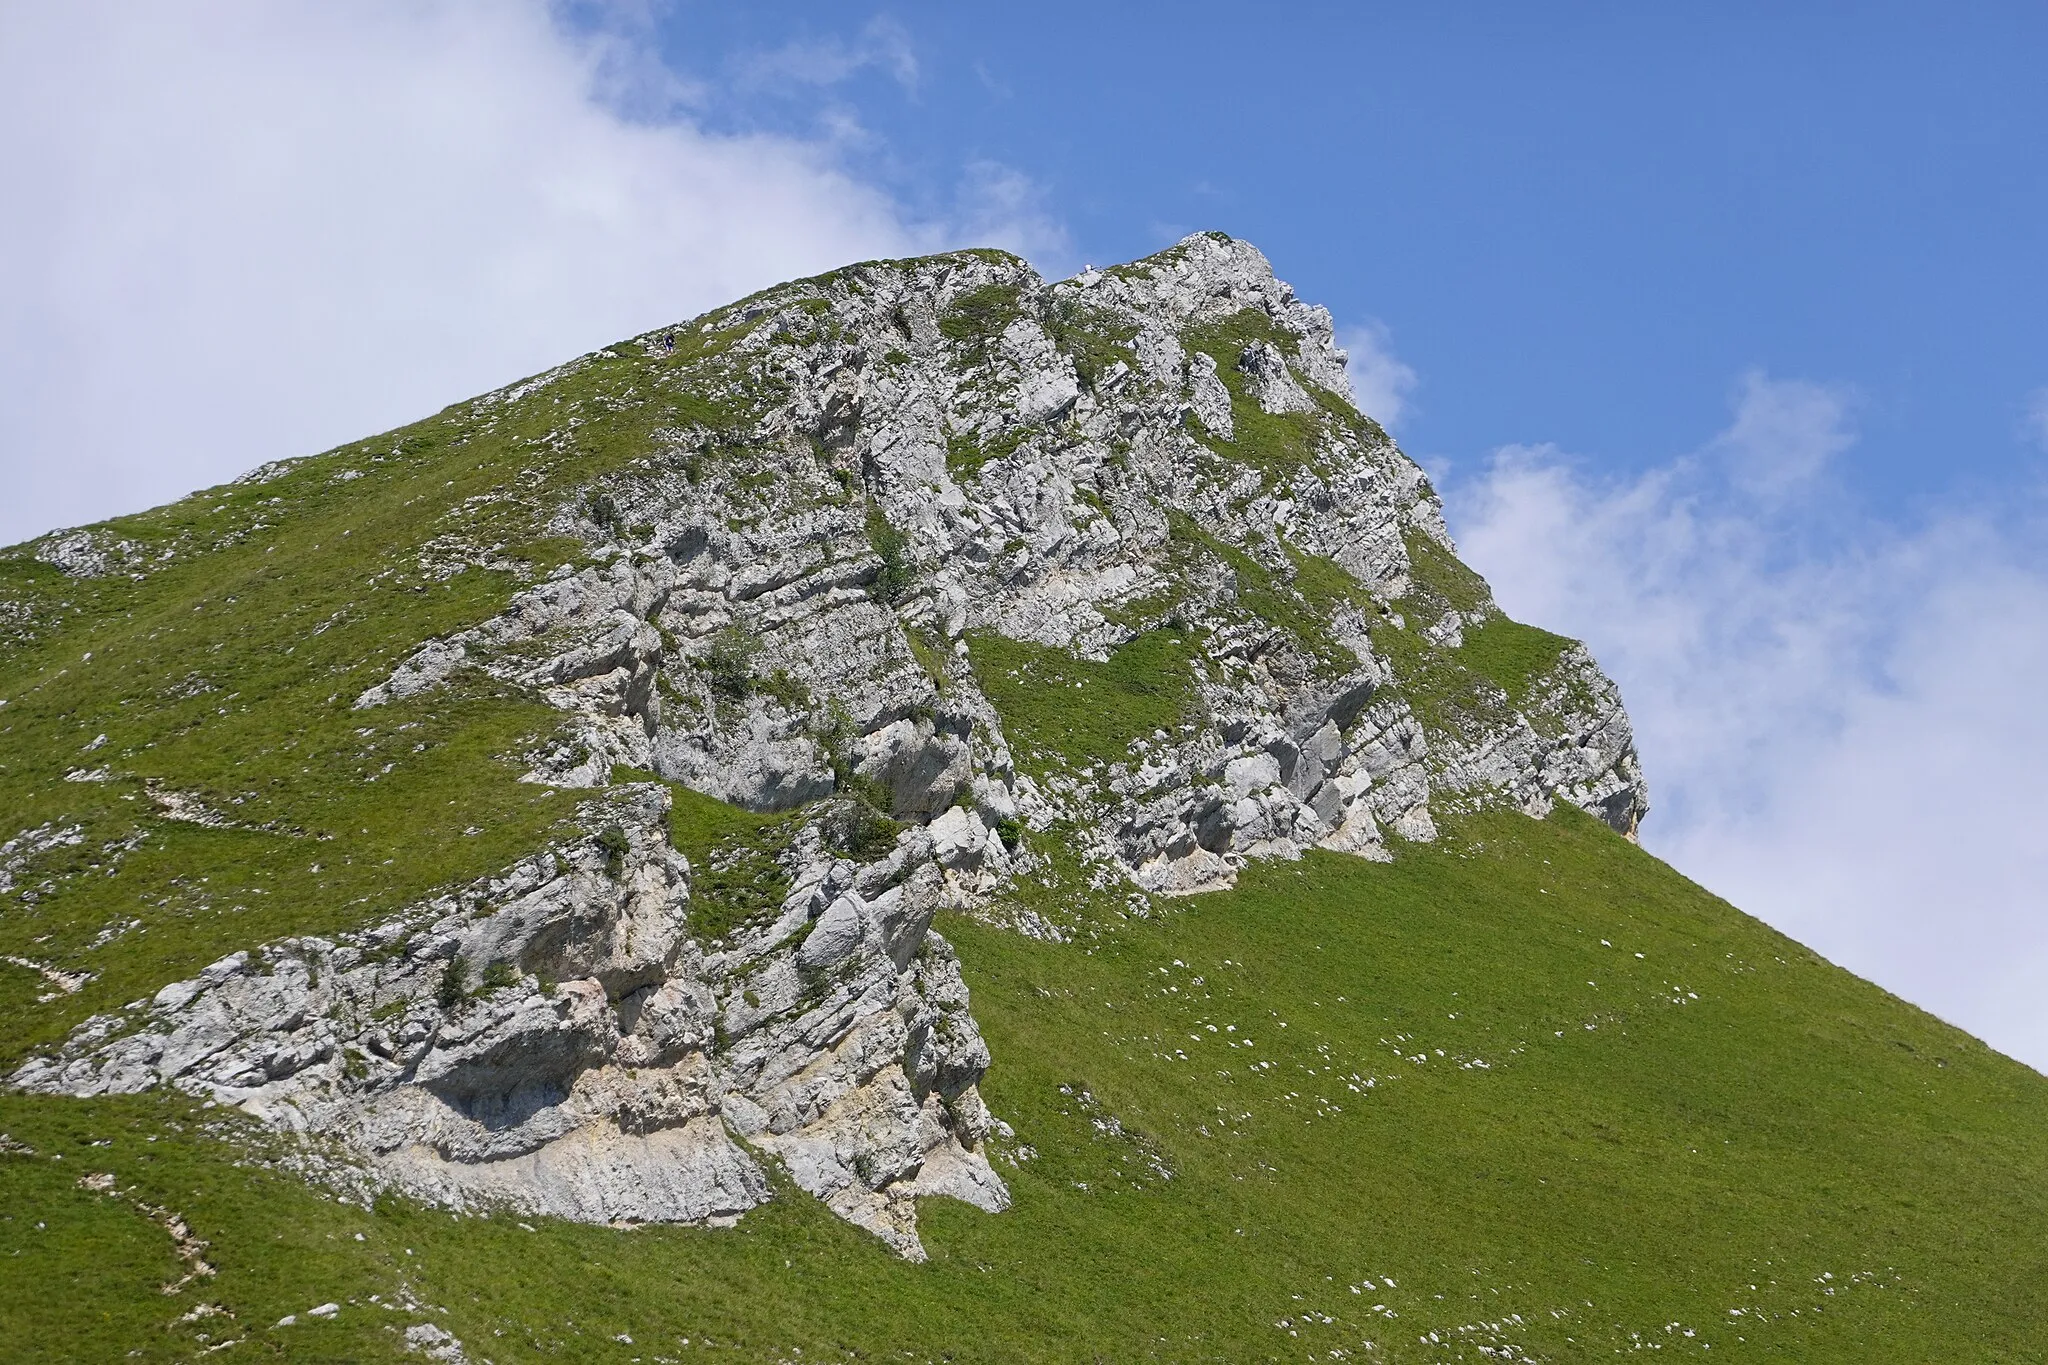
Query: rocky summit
(583, 812)
(882, 506)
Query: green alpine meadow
(926, 814)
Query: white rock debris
(86, 553)
(777, 611)
(19, 852)
(435, 1343)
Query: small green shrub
(978, 317)
(964, 458)
(893, 548)
(454, 987)
(864, 832)
(728, 662)
(600, 507)
(866, 790)
(615, 845)
(498, 976)
(786, 688)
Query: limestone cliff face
(557, 1040)
(1109, 565)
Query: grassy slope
(1787, 1125)
(1861, 1181)
(227, 673)
(1142, 688)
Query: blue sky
(1718, 326)
(1580, 223)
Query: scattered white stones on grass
(435, 1343)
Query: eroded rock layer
(554, 1039)
(966, 571)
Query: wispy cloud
(1000, 206)
(2035, 423)
(1785, 433)
(998, 89)
(1843, 734)
(1380, 381)
(881, 45)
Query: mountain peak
(903, 586)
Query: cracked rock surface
(554, 1039)
(958, 567)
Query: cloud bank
(1840, 719)
(238, 231)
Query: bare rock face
(557, 1040)
(935, 469)
(1218, 606)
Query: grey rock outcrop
(932, 427)
(564, 1041)
(898, 494)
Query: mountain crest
(947, 582)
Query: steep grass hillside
(1075, 596)
(1526, 1094)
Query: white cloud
(1380, 381)
(1845, 739)
(2035, 423)
(239, 231)
(1784, 434)
(1002, 207)
(822, 62)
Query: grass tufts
(1059, 709)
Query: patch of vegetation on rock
(1277, 443)
(892, 547)
(976, 319)
(736, 871)
(1094, 339)
(966, 455)
(1300, 608)
(1062, 710)
(1511, 654)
